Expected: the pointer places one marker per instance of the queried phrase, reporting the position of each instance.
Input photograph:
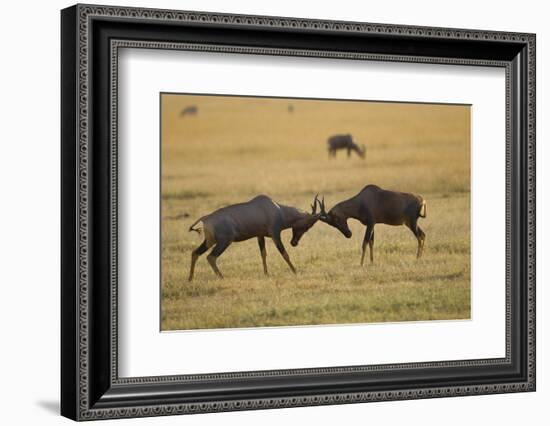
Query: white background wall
(29, 212)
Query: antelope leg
(261, 243)
(194, 256)
(281, 248)
(219, 248)
(367, 240)
(421, 236)
(371, 247)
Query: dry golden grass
(236, 148)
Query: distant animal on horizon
(374, 205)
(339, 142)
(189, 110)
(259, 218)
(290, 108)
(177, 217)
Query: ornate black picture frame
(91, 36)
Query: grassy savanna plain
(237, 147)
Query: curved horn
(314, 205)
(322, 205)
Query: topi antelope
(337, 142)
(258, 218)
(376, 205)
(189, 110)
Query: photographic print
(294, 212)
(327, 201)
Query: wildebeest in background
(258, 218)
(189, 110)
(338, 142)
(376, 205)
(290, 108)
(177, 217)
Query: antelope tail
(423, 209)
(197, 230)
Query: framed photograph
(263, 212)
